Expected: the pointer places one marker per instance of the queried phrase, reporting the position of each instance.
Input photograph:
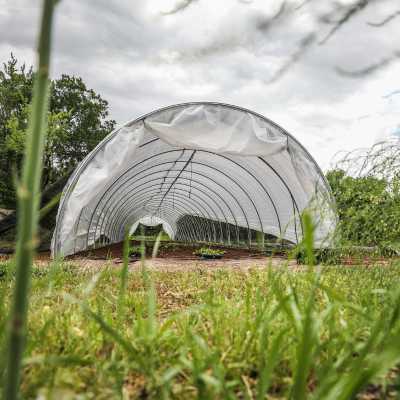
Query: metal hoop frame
(173, 198)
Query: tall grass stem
(28, 192)
(123, 276)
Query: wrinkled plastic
(207, 171)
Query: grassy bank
(210, 334)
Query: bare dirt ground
(178, 265)
(171, 259)
(175, 257)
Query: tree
(78, 120)
(368, 208)
(15, 95)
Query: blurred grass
(214, 334)
(311, 333)
(28, 195)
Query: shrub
(207, 251)
(135, 251)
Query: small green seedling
(206, 252)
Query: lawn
(267, 333)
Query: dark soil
(170, 250)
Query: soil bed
(170, 250)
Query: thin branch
(385, 21)
(302, 4)
(296, 57)
(394, 93)
(353, 10)
(265, 24)
(180, 6)
(369, 69)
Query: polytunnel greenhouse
(207, 172)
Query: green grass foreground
(268, 333)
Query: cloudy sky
(276, 59)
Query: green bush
(339, 255)
(3, 271)
(207, 251)
(71, 134)
(135, 251)
(368, 209)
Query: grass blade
(123, 277)
(308, 337)
(268, 364)
(28, 205)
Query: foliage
(149, 233)
(220, 334)
(347, 254)
(4, 270)
(77, 121)
(368, 208)
(207, 251)
(167, 245)
(135, 251)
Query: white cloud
(139, 59)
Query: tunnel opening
(206, 172)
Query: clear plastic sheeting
(153, 221)
(210, 172)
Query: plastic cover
(206, 171)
